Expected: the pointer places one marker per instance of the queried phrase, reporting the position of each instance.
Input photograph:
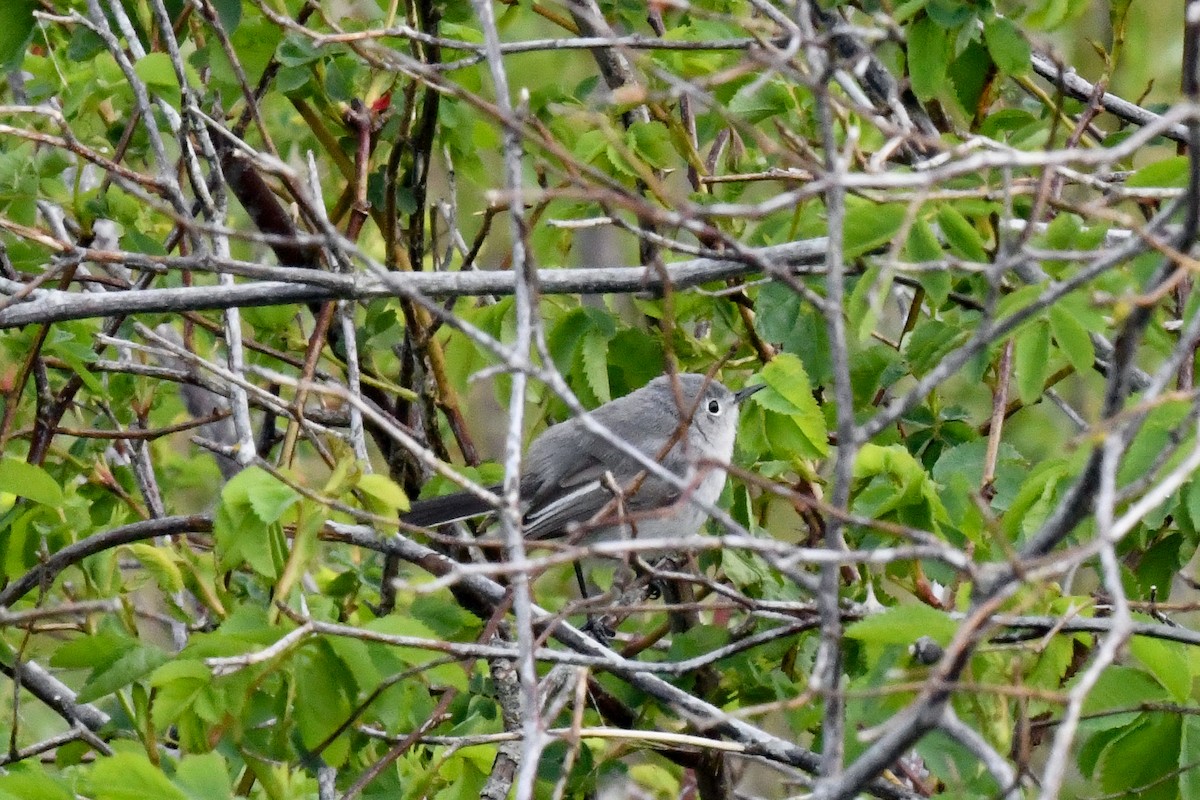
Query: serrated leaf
(28, 785)
(652, 142)
(159, 563)
(271, 499)
(251, 503)
(1142, 758)
(385, 490)
(595, 364)
(756, 102)
(1167, 662)
(1191, 498)
(131, 776)
(204, 777)
(1031, 361)
(156, 70)
(565, 337)
(134, 663)
(29, 481)
(928, 57)
(1122, 687)
(16, 30)
(229, 12)
(961, 235)
(1073, 339)
(616, 157)
(903, 625)
(870, 225)
(789, 392)
(295, 51)
(1169, 173)
(97, 650)
(1189, 756)
(1007, 47)
(922, 246)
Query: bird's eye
(714, 407)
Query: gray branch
(303, 286)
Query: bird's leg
(648, 573)
(583, 589)
(596, 626)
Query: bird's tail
(448, 508)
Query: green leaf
(321, 679)
(178, 685)
(756, 102)
(1167, 662)
(869, 225)
(158, 72)
(1032, 361)
(1122, 687)
(270, 498)
(296, 50)
(1142, 757)
(928, 57)
(950, 14)
(204, 777)
(786, 318)
(131, 665)
(565, 337)
(961, 235)
(29, 481)
(595, 364)
(1035, 498)
(229, 12)
(789, 393)
(29, 785)
(652, 142)
(131, 776)
(385, 490)
(1191, 498)
(1073, 339)
(1169, 173)
(903, 625)
(1189, 756)
(251, 503)
(160, 563)
(865, 303)
(922, 246)
(16, 32)
(895, 486)
(1007, 46)
(1155, 436)
(698, 641)
(95, 651)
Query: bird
(686, 422)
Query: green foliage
(258, 655)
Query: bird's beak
(738, 397)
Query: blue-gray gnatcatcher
(571, 474)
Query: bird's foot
(598, 629)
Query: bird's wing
(579, 492)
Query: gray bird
(569, 471)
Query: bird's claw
(599, 630)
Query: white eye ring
(714, 407)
